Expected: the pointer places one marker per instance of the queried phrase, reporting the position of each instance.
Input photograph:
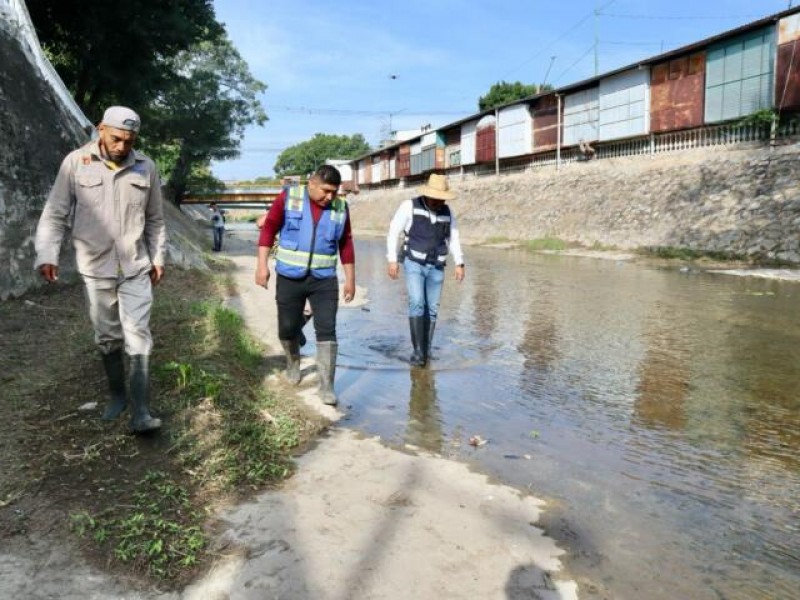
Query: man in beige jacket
(110, 196)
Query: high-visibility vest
(428, 238)
(305, 246)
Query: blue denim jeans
(424, 284)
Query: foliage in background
(504, 92)
(118, 52)
(201, 114)
(304, 158)
(171, 61)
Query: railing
(16, 13)
(660, 143)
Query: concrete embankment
(742, 200)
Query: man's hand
(262, 275)
(49, 272)
(156, 274)
(393, 270)
(349, 291)
(459, 273)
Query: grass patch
(140, 504)
(547, 243)
(688, 254)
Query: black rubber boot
(429, 346)
(141, 421)
(292, 350)
(326, 369)
(115, 373)
(418, 326)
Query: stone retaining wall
(740, 199)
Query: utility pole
(596, 37)
(550, 66)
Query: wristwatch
(460, 265)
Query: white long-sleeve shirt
(401, 223)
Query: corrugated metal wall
(362, 171)
(416, 158)
(581, 116)
(452, 151)
(787, 68)
(485, 144)
(545, 123)
(624, 105)
(468, 142)
(740, 75)
(376, 170)
(677, 92)
(404, 160)
(515, 134)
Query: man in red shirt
(314, 227)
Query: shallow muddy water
(657, 410)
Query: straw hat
(437, 187)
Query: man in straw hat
(110, 196)
(430, 232)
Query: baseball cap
(121, 117)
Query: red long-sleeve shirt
(274, 223)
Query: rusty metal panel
(403, 165)
(789, 29)
(545, 123)
(452, 137)
(677, 93)
(787, 76)
(485, 144)
(404, 150)
(439, 159)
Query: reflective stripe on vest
(428, 239)
(304, 247)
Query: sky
(369, 67)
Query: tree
(118, 52)
(202, 113)
(305, 157)
(503, 92)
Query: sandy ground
(357, 521)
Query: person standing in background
(217, 225)
(110, 196)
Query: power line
(678, 17)
(362, 112)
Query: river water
(655, 409)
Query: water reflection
(424, 429)
(660, 409)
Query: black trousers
(291, 296)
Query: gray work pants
(120, 312)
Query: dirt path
(361, 521)
(357, 521)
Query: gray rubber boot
(141, 421)
(115, 373)
(292, 350)
(418, 326)
(326, 369)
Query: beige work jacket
(117, 216)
